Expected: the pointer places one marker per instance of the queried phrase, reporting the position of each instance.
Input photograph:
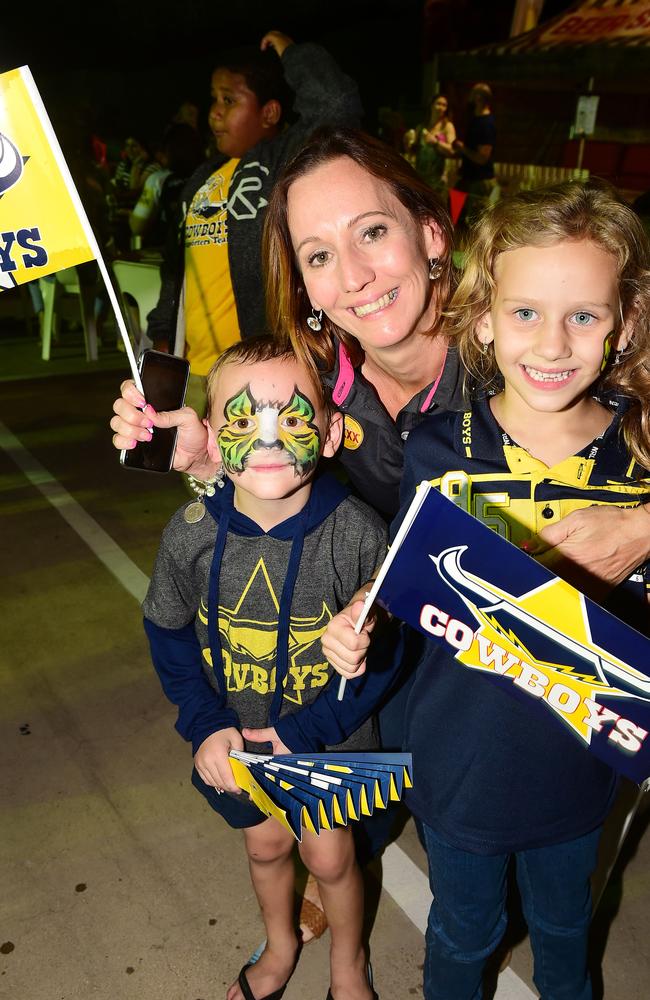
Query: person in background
(187, 114)
(136, 164)
(429, 147)
(156, 208)
(212, 293)
(477, 153)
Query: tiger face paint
(269, 428)
(253, 426)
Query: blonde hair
(541, 218)
(287, 301)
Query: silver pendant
(194, 512)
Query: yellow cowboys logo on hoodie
(248, 634)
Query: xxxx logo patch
(353, 433)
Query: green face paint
(252, 424)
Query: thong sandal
(375, 995)
(248, 993)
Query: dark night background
(124, 67)
(129, 64)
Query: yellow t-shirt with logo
(211, 323)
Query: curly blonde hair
(541, 218)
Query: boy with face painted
(244, 584)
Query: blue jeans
(468, 916)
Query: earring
(314, 321)
(484, 348)
(435, 268)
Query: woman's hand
(266, 736)
(132, 424)
(597, 548)
(344, 649)
(211, 759)
(276, 40)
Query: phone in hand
(164, 380)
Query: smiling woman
(359, 277)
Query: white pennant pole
(83, 218)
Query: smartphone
(164, 379)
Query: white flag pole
(402, 531)
(31, 87)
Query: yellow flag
(43, 225)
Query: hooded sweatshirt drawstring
(325, 496)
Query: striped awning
(610, 23)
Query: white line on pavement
(99, 542)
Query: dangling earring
(484, 348)
(435, 268)
(620, 354)
(314, 321)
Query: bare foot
(350, 982)
(268, 974)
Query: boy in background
(212, 293)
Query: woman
(359, 252)
(387, 366)
(429, 148)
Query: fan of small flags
(322, 790)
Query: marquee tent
(605, 39)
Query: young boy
(212, 293)
(241, 591)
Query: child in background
(245, 581)
(212, 294)
(552, 311)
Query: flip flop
(248, 993)
(375, 995)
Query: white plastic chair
(140, 281)
(67, 282)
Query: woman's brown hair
(541, 218)
(287, 301)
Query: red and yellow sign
(591, 23)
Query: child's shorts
(237, 810)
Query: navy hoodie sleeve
(177, 658)
(328, 721)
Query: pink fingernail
(140, 403)
(132, 444)
(149, 409)
(150, 426)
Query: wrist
(202, 468)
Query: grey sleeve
(366, 540)
(325, 95)
(173, 595)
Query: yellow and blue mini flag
(43, 225)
